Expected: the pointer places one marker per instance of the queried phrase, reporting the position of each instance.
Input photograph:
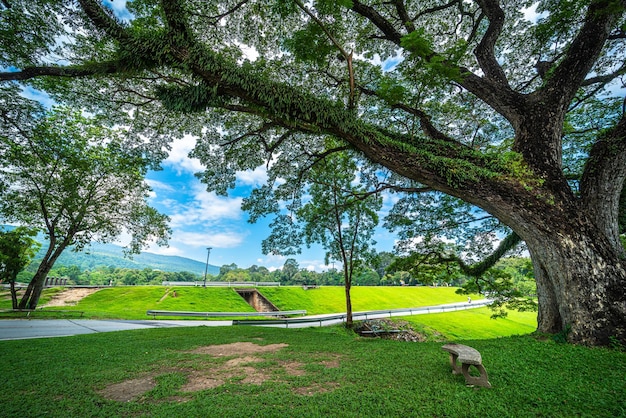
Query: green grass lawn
(132, 302)
(475, 324)
(331, 299)
(321, 372)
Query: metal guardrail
(156, 313)
(220, 284)
(322, 320)
(325, 320)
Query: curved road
(17, 329)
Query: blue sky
(201, 219)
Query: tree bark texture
(30, 299)
(349, 321)
(580, 282)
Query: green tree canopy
(17, 249)
(78, 182)
(340, 216)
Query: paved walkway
(17, 329)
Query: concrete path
(17, 329)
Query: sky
(200, 219)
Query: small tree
(340, 216)
(289, 270)
(17, 249)
(77, 181)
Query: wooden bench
(467, 356)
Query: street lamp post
(206, 269)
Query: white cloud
(39, 96)
(205, 208)
(225, 239)
(178, 157)
(530, 13)
(159, 185)
(256, 177)
(389, 200)
(119, 9)
(249, 52)
(171, 250)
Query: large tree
(76, 181)
(473, 99)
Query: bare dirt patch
(332, 363)
(294, 368)
(239, 370)
(70, 296)
(129, 389)
(242, 368)
(237, 349)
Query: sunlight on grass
(132, 302)
(477, 324)
(331, 299)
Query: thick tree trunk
(580, 283)
(30, 299)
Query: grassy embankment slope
(133, 302)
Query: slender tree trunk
(347, 286)
(30, 299)
(13, 295)
(548, 315)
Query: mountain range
(110, 255)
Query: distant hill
(110, 255)
(105, 255)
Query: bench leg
(481, 380)
(455, 367)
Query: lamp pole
(208, 253)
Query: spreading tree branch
(485, 51)
(583, 52)
(347, 56)
(478, 269)
(108, 67)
